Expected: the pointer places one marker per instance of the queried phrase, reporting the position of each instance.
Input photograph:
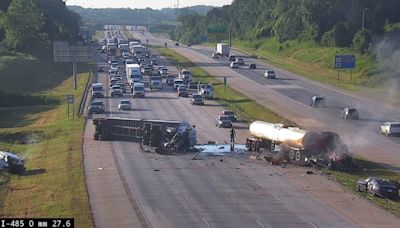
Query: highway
(131, 188)
(290, 97)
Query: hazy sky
(155, 4)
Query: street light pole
(363, 18)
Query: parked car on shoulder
(124, 104)
(390, 128)
(349, 113)
(197, 99)
(378, 187)
(96, 107)
(270, 74)
(223, 121)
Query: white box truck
(133, 73)
(223, 49)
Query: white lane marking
(288, 86)
(260, 223)
(234, 199)
(312, 224)
(205, 220)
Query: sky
(155, 4)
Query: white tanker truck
(296, 145)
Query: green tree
(23, 23)
(362, 40)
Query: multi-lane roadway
(131, 188)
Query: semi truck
(164, 135)
(297, 145)
(223, 49)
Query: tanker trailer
(296, 145)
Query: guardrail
(85, 93)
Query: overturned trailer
(165, 135)
(299, 146)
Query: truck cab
(206, 90)
(186, 75)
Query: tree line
(30, 26)
(127, 16)
(328, 22)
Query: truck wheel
(291, 155)
(298, 156)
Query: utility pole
(363, 18)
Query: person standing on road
(233, 134)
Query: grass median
(53, 184)
(244, 107)
(249, 110)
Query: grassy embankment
(246, 108)
(317, 63)
(53, 184)
(250, 110)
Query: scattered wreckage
(299, 146)
(11, 162)
(162, 135)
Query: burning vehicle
(299, 146)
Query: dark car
(182, 91)
(232, 58)
(230, 114)
(189, 44)
(197, 99)
(349, 113)
(192, 85)
(96, 107)
(223, 121)
(252, 66)
(317, 101)
(378, 187)
(177, 44)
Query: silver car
(124, 105)
(390, 128)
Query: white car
(390, 128)
(270, 74)
(124, 105)
(234, 65)
(177, 83)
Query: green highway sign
(216, 30)
(216, 33)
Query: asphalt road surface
(289, 95)
(131, 188)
